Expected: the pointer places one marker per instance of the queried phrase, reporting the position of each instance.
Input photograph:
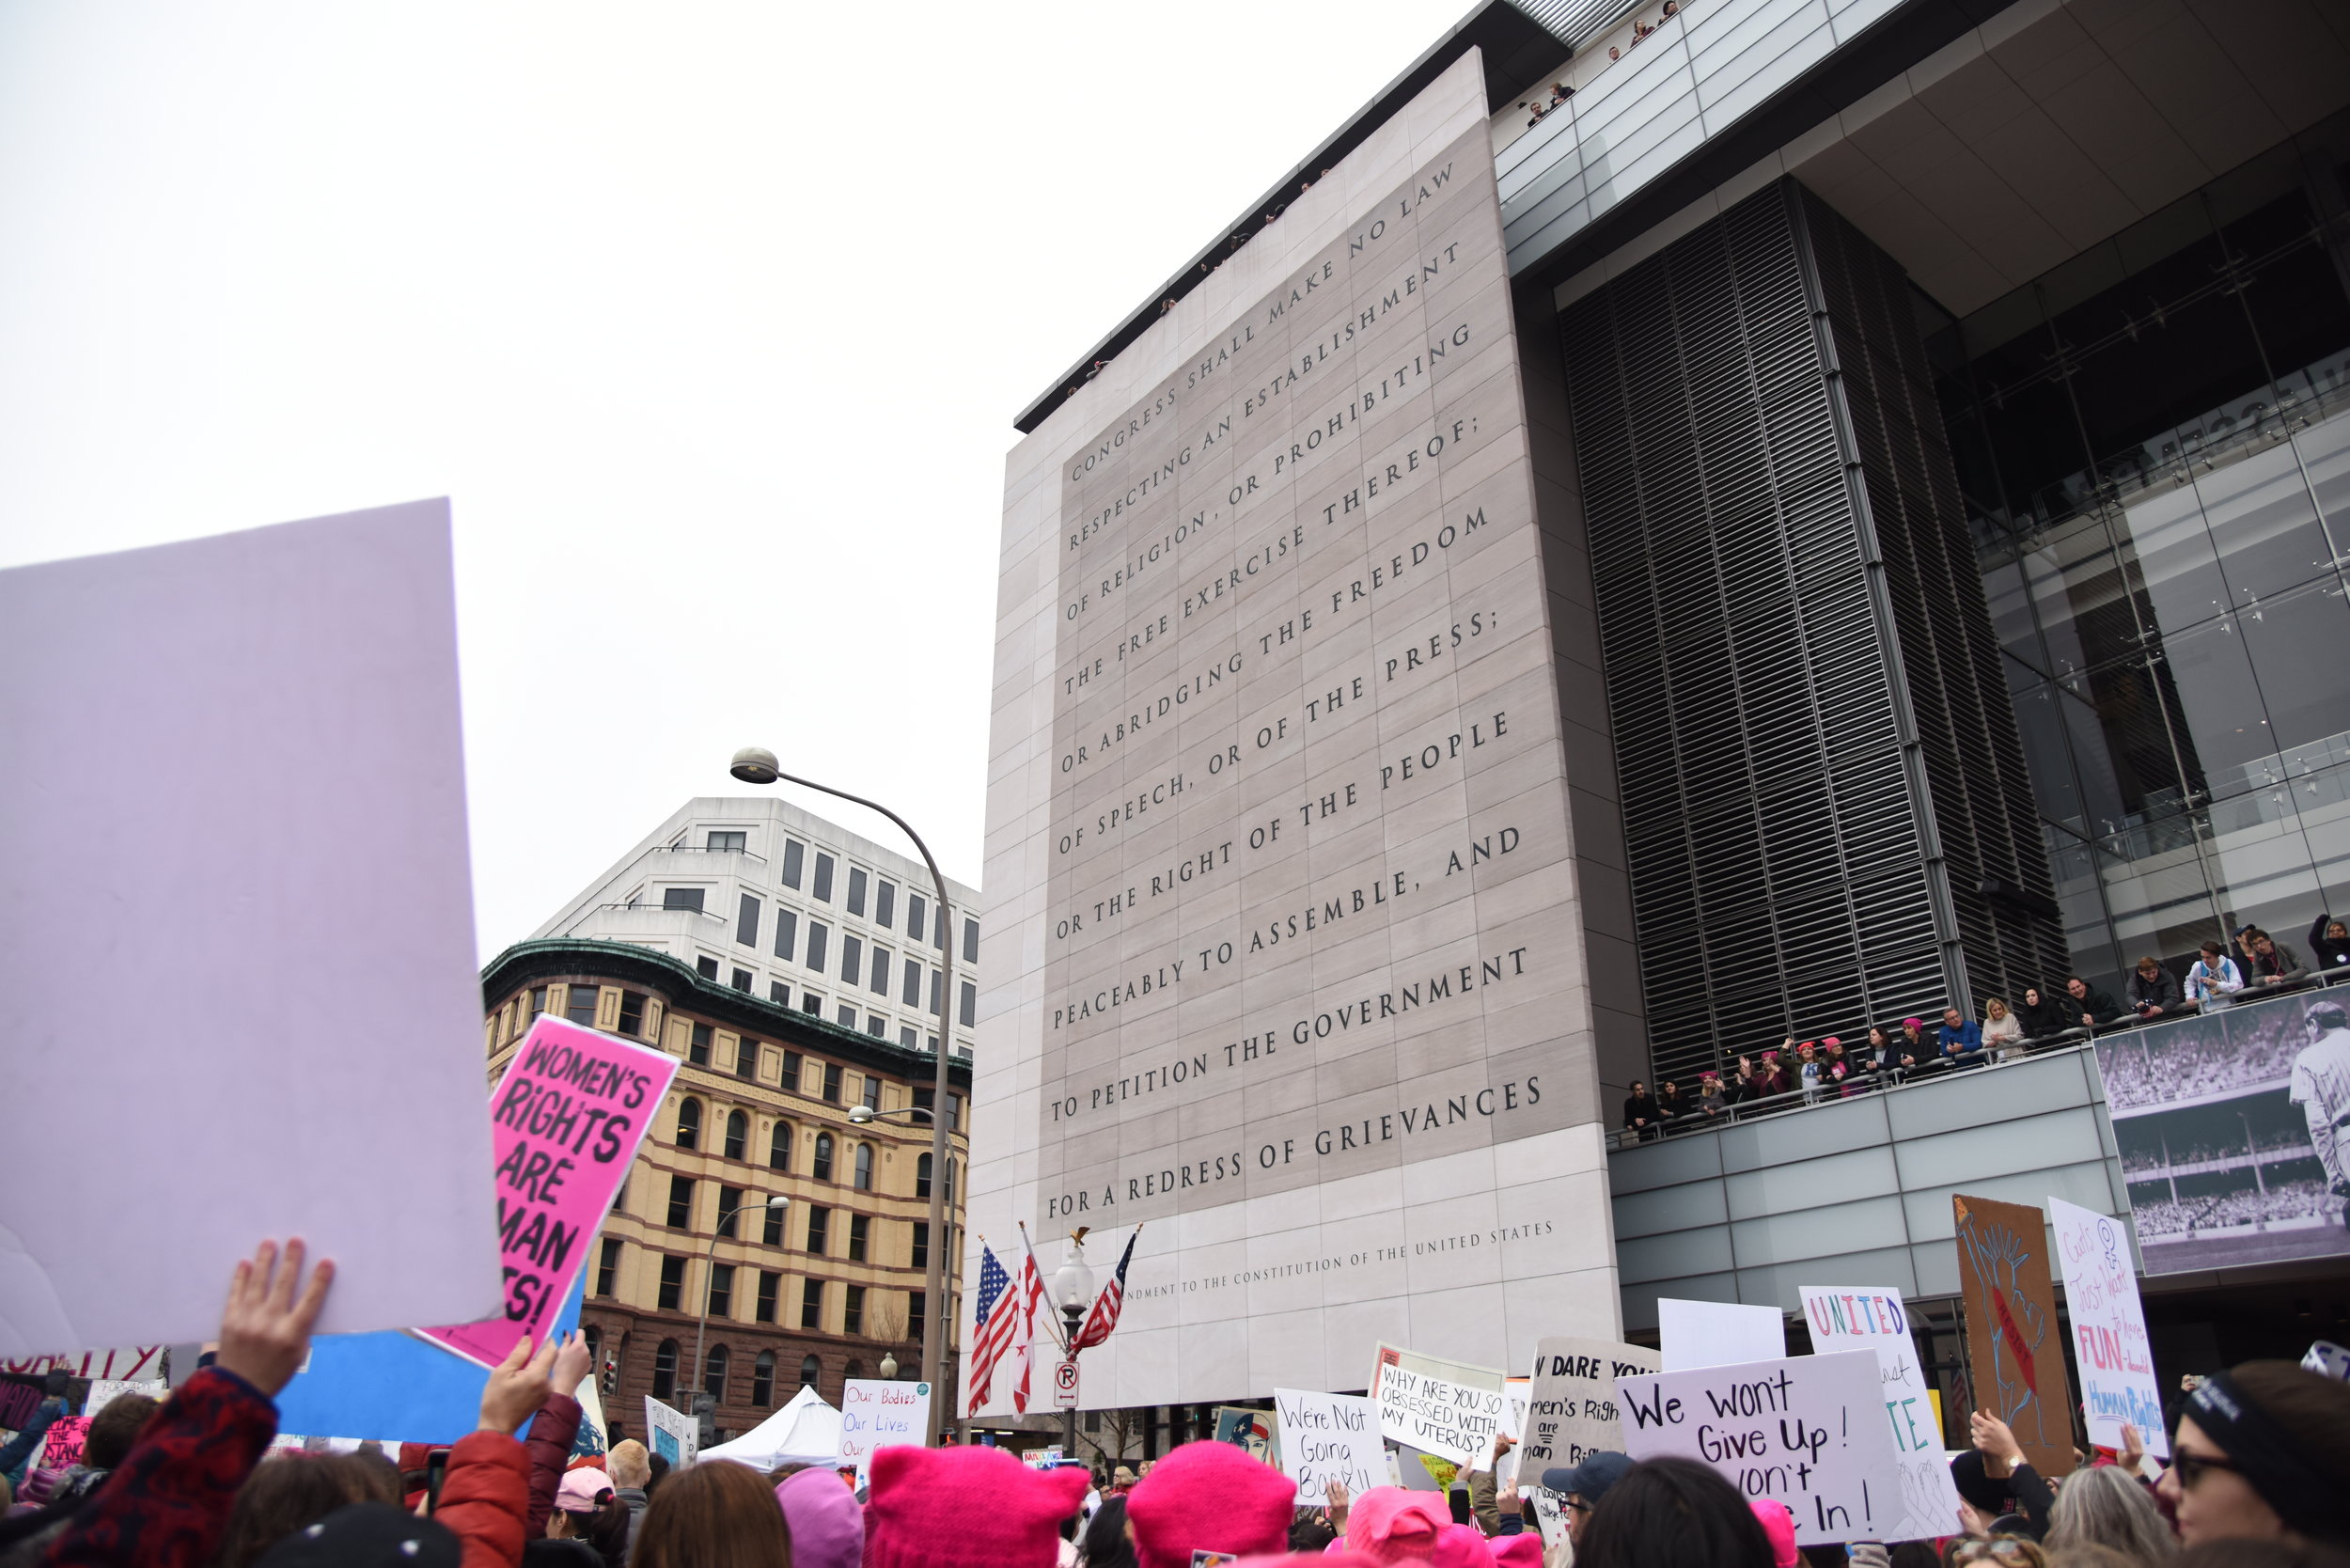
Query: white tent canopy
(804, 1432)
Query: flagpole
(1059, 1337)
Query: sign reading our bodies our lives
(565, 1123)
(1806, 1430)
(1449, 1420)
(2116, 1360)
(876, 1413)
(1846, 1318)
(1572, 1413)
(1327, 1437)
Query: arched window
(664, 1370)
(810, 1370)
(822, 1169)
(715, 1374)
(854, 1369)
(922, 1177)
(763, 1379)
(779, 1146)
(950, 1180)
(864, 1168)
(689, 1123)
(738, 1133)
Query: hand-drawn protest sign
(105, 1390)
(1327, 1437)
(1571, 1414)
(876, 1413)
(672, 1435)
(2012, 1348)
(61, 1446)
(565, 1123)
(2109, 1341)
(1806, 1430)
(1442, 1417)
(1718, 1333)
(1873, 1318)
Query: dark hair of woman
(280, 1497)
(713, 1515)
(1673, 1513)
(1105, 1543)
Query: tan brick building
(760, 1106)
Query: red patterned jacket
(168, 1504)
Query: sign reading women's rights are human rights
(1282, 900)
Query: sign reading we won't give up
(1808, 1431)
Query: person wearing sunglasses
(2262, 1451)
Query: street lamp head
(1072, 1283)
(860, 1114)
(756, 764)
(888, 1367)
(778, 1201)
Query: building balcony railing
(1938, 1071)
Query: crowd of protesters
(2253, 965)
(2260, 1474)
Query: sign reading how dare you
(565, 1120)
(1283, 895)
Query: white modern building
(778, 902)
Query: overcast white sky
(712, 319)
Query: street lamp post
(709, 1259)
(1073, 1290)
(757, 765)
(865, 1115)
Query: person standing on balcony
(2274, 965)
(2001, 1030)
(2329, 943)
(2153, 990)
(2098, 1008)
(1959, 1042)
(1640, 1113)
(2040, 1014)
(2213, 977)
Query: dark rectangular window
(884, 902)
(538, 1000)
(681, 898)
(881, 971)
(697, 1047)
(632, 1012)
(793, 852)
(857, 889)
(823, 877)
(706, 967)
(673, 1284)
(846, 1017)
(812, 1003)
(772, 1232)
(917, 915)
(742, 979)
(608, 1265)
(819, 935)
(938, 1009)
(811, 1304)
(922, 1098)
(832, 1082)
(729, 1210)
(872, 1092)
(912, 995)
(580, 1006)
(876, 1025)
(778, 992)
(970, 941)
(791, 1070)
(726, 838)
(682, 1202)
(747, 923)
(860, 1226)
(819, 1228)
(722, 1290)
(764, 1307)
(954, 1112)
(852, 959)
(852, 1313)
(921, 1257)
(746, 1059)
(915, 1310)
(970, 1003)
(909, 1037)
(787, 933)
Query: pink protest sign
(564, 1123)
(62, 1447)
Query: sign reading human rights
(1281, 883)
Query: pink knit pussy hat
(965, 1508)
(1208, 1496)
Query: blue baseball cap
(1592, 1479)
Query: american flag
(991, 1328)
(1032, 1292)
(1104, 1318)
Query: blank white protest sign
(235, 901)
(1718, 1333)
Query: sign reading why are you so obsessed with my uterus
(565, 1123)
(1293, 888)
(1806, 1430)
